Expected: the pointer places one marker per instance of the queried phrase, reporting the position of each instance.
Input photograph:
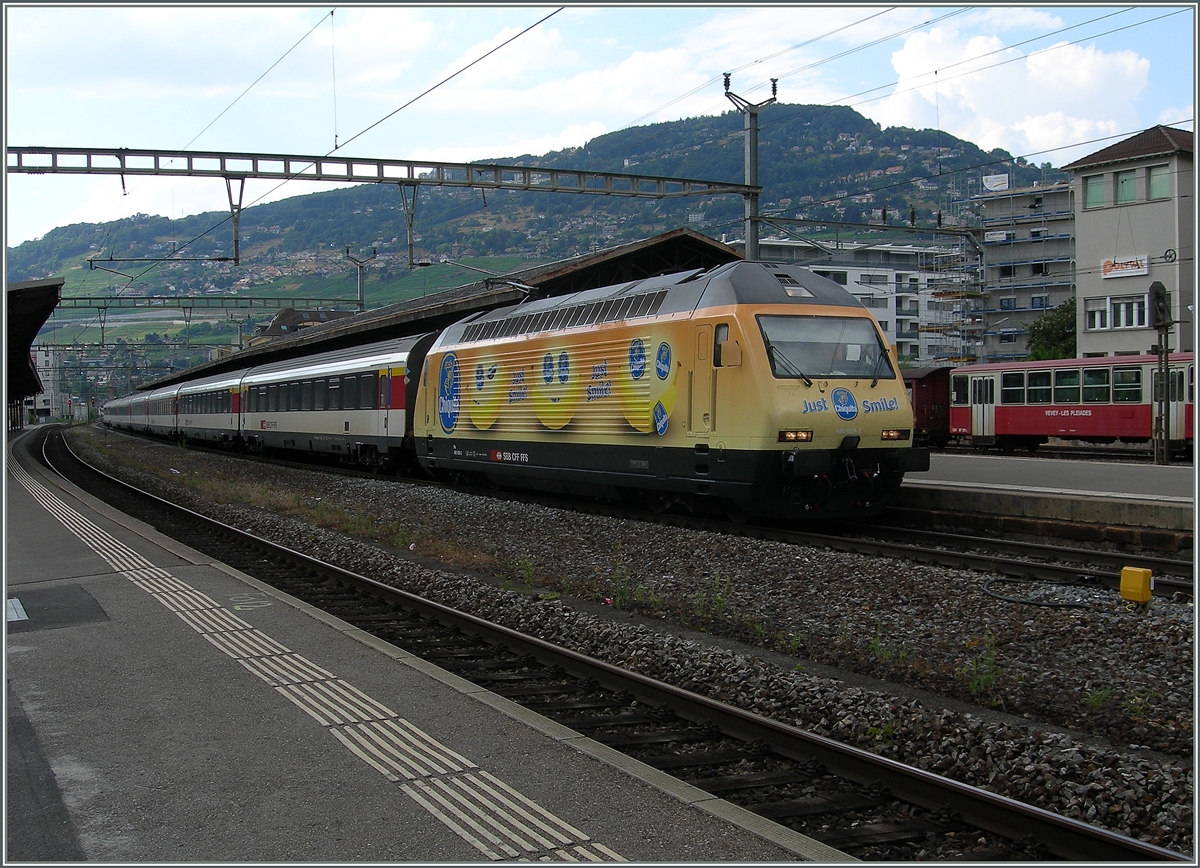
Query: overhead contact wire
(430, 90)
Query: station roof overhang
(678, 250)
(27, 306)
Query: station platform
(163, 707)
(1142, 497)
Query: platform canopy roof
(678, 250)
(27, 306)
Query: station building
(1135, 213)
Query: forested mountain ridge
(819, 162)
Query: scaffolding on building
(956, 310)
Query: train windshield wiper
(875, 374)
(783, 361)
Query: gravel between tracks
(1087, 712)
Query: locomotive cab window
(802, 347)
(726, 353)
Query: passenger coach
(1099, 400)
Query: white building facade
(1135, 212)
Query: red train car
(929, 393)
(1020, 405)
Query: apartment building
(1028, 237)
(1135, 211)
(925, 297)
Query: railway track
(1034, 562)
(861, 804)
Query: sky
(1051, 84)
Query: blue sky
(1044, 82)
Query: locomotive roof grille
(588, 313)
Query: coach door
(1177, 399)
(983, 407)
(700, 407)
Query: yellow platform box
(1136, 584)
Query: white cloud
(1054, 97)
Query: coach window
(349, 393)
(334, 401)
(306, 395)
(1127, 386)
(1012, 387)
(294, 396)
(368, 395)
(1038, 387)
(1095, 386)
(1066, 386)
(959, 393)
(319, 389)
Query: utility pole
(751, 110)
(362, 264)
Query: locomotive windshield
(803, 347)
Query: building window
(838, 277)
(1039, 302)
(883, 325)
(1008, 337)
(1007, 270)
(1009, 303)
(1038, 268)
(1126, 186)
(1158, 183)
(1129, 313)
(1096, 314)
(1093, 191)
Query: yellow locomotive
(761, 385)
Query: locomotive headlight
(894, 434)
(803, 436)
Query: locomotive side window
(1038, 391)
(1066, 386)
(1127, 386)
(959, 390)
(1012, 387)
(1095, 386)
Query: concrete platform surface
(162, 707)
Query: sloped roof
(27, 304)
(678, 250)
(1154, 142)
